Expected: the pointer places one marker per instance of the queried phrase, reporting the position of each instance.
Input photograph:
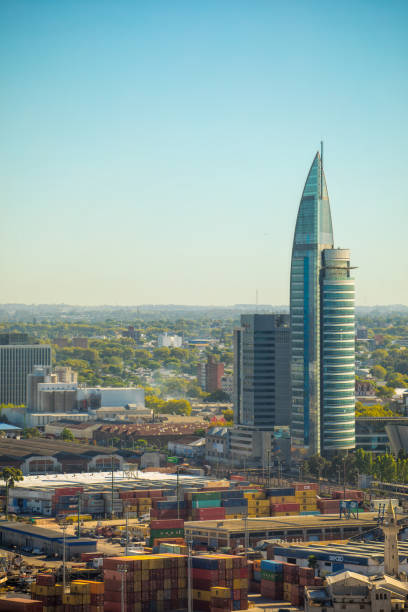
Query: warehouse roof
(43, 446)
(40, 532)
(284, 523)
(359, 553)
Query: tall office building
(261, 387)
(322, 327)
(16, 362)
(261, 371)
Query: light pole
(127, 529)
(123, 570)
(189, 590)
(64, 528)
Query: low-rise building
(355, 592)
(217, 445)
(169, 340)
(190, 450)
(48, 541)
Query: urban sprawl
(208, 459)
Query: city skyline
(153, 154)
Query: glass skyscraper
(322, 326)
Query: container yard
(151, 536)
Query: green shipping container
(209, 495)
(207, 503)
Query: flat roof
(121, 479)
(40, 532)
(44, 446)
(285, 523)
(350, 552)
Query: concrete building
(56, 397)
(217, 445)
(169, 340)
(97, 397)
(190, 450)
(227, 384)
(322, 327)
(16, 362)
(43, 456)
(231, 532)
(214, 371)
(49, 541)
(262, 371)
(80, 431)
(355, 592)
(261, 386)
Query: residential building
(169, 340)
(16, 362)
(227, 384)
(217, 445)
(214, 371)
(322, 327)
(81, 342)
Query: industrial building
(49, 541)
(363, 557)
(43, 456)
(291, 528)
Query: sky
(155, 152)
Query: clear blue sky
(155, 151)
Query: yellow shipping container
(220, 592)
(201, 595)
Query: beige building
(355, 593)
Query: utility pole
(127, 530)
(246, 535)
(64, 528)
(189, 590)
(112, 511)
(269, 467)
(178, 496)
(344, 477)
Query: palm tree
(10, 475)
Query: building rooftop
(284, 523)
(8, 427)
(360, 553)
(42, 446)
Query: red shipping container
(167, 524)
(285, 507)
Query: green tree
(316, 466)
(385, 392)
(378, 372)
(67, 435)
(31, 432)
(217, 396)
(10, 476)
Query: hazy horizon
(155, 153)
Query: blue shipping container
(272, 566)
(204, 563)
(229, 503)
(280, 492)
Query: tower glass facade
(338, 367)
(322, 326)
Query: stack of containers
(306, 496)
(85, 596)
(65, 500)
(47, 591)
(285, 509)
(256, 577)
(228, 571)
(328, 506)
(163, 509)
(235, 504)
(290, 577)
(272, 579)
(258, 505)
(206, 505)
(283, 501)
(171, 528)
(350, 494)
(151, 583)
(220, 599)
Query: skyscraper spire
(322, 326)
